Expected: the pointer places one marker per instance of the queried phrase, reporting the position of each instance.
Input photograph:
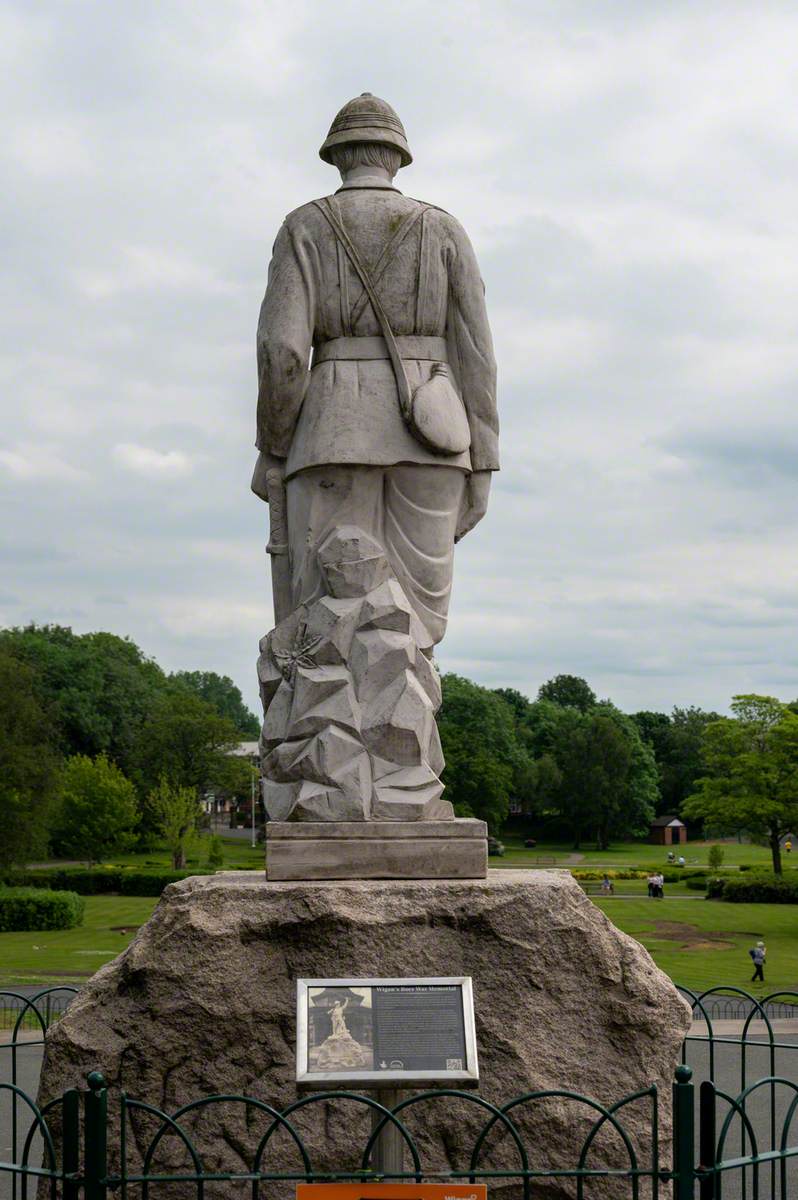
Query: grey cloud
(752, 457)
(151, 155)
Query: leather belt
(359, 349)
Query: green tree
(98, 813)
(676, 741)
(751, 772)
(215, 852)
(608, 775)
(175, 813)
(222, 694)
(569, 691)
(715, 857)
(184, 739)
(96, 687)
(28, 766)
(484, 757)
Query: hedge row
(627, 874)
(754, 889)
(24, 908)
(678, 876)
(101, 881)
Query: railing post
(683, 1134)
(707, 1141)
(70, 1155)
(95, 1137)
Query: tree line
(576, 767)
(101, 750)
(99, 746)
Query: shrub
(715, 857)
(697, 885)
(102, 881)
(625, 874)
(754, 889)
(760, 889)
(215, 852)
(84, 882)
(150, 883)
(37, 908)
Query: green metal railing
(757, 1103)
(88, 1142)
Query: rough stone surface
(203, 1001)
(350, 698)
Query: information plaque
(386, 1033)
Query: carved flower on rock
(299, 653)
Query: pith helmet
(367, 119)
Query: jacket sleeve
(285, 336)
(469, 334)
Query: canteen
(437, 416)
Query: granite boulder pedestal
(203, 1002)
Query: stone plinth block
(422, 849)
(203, 1002)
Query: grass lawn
(697, 942)
(72, 955)
(238, 855)
(705, 942)
(634, 854)
(639, 887)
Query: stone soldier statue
(377, 432)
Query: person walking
(758, 954)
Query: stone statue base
(342, 1054)
(456, 849)
(203, 1001)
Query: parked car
(495, 847)
(530, 843)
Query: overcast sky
(627, 172)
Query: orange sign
(391, 1191)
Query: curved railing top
(28, 1006)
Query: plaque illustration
(331, 1046)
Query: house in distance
(667, 831)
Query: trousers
(410, 509)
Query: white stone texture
(350, 699)
(352, 563)
(203, 1001)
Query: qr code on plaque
(454, 1064)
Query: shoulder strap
(402, 382)
(388, 254)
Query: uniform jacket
(347, 411)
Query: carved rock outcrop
(350, 698)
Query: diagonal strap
(387, 256)
(402, 382)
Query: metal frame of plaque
(349, 1052)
